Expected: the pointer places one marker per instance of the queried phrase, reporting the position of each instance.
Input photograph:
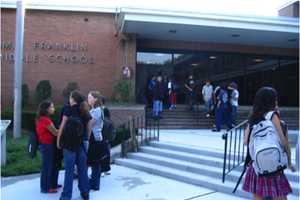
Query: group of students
(162, 93)
(79, 141)
(222, 103)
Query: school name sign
(74, 53)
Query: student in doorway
(172, 93)
(46, 132)
(190, 85)
(234, 101)
(158, 95)
(275, 186)
(207, 94)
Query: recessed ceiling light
(194, 64)
(172, 31)
(212, 57)
(258, 60)
(235, 35)
(292, 40)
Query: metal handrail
(236, 154)
(142, 131)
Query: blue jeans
(95, 177)
(233, 114)
(157, 107)
(223, 116)
(70, 159)
(191, 100)
(47, 166)
(208, 105)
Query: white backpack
(265, 148)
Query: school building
(92, 45)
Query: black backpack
(72, 134)
(108, 131)
(33, 144)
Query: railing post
(224, 137)
(158, 130)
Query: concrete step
(187, 177)
(184, 156)
(207, 170)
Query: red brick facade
(64, 47)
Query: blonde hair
(97, 95)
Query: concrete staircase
(181, 118)
(192, 165)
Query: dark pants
(222, 116)
(70, 159)
(234, 114)
(105, 163)
(47, 167)
(95, 177)
(191, 100)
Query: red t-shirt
(44, 135)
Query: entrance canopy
(280, 32)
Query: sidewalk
(122, 184)
(129, 184)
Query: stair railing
(139, 130)
(234, 149)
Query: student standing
(172, 93)
(276, 185)
(207, 94)
(46, 132)
(158, 95)
(94, 153)
(234, 101)
(76, 119)
(190, 85)
(222, 109)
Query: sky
(246, 7)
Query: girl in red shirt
(45, 132)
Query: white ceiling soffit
(246, 30)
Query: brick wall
(102, 51)
(121, 115)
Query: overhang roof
(280, 32)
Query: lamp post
(18, 66)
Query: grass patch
(18, 162)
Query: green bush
(18, 162)
(123, 91)
(43, 91)
(28, 118)
(25, 95)
(68, 89)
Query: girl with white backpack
(274, 185)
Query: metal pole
(224, 137)
(18, 66)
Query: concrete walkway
(129, 184)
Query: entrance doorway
(250, 72)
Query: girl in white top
(96, 113)
(95, 149)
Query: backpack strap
(240, 178)
(247, 161)
(269, 115)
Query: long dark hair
(43, 109)
(264, 101)
(83, 105)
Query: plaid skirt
(273, 186)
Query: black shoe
(215, 130)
